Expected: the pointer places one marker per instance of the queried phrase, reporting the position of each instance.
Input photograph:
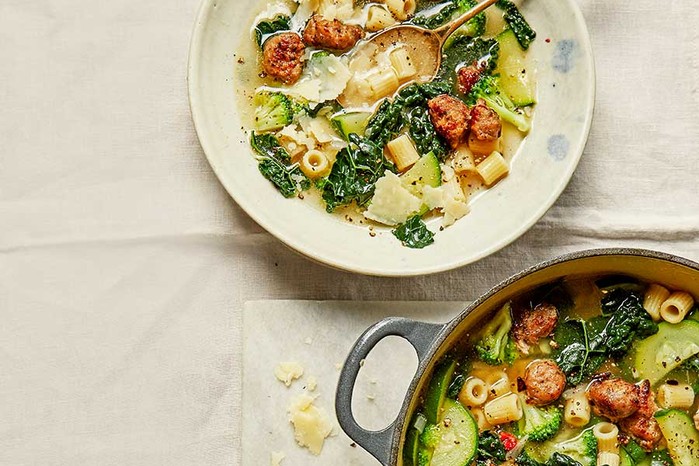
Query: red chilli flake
(508, 440)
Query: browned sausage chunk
(642, 424)
(545, 382)
(283, 57)
(450, 118)
(485, 122)
(331, 34)
(532, 325)
(468, 77)
(613, 398)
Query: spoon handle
(448, 29)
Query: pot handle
(419, 334)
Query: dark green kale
(391, 117)
(265, 28)
(490, 449)
(414, 233)
(572, 350)
(456, 385)
(557, 459)
(465, 51)
(453, 9)
(274, 165)
(624, 320)
(513, 17)
(354, 174)
(422, 131)
(386, 123)
(691, 364)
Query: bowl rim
(250, 208)
(449, 327)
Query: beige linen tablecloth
(124, 266)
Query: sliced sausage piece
(642, 424)
(468, 76)
(283, 57)
(532, 325)
(450, 118)
(485, 122)
(333, 34)
(545, 382)
(613, 398)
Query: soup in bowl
(589, 359)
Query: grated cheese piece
(287, 372)
(311, 424)
(392, 203)
(277, 458)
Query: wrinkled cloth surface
(124, 265)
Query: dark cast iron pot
(432, 341)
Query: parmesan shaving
(277, 458)
(287, 372)
(311, 424)
(392, 203)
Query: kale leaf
(391, 117)
(439, 18)
(465, 51)
(513, 17)
(354, 174)
(572, 349)
(490, 448)
(624, 320)
(557, 459)
(265, 28)
(414, 233)
(422, 131)
(274, 165)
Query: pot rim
(449, 327)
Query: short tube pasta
(473, 393)
(608, 458)
(314, 164)
(607, 435)
(482, 422)
(499, 387)
(577, 410)
(676, 307)
(401, 9)
(654, 298)
(403, 152)
(402, 63)
(383, 83)
(378, 18)
(675, 396)
(504, 409)
(493, 168)
(483, 147)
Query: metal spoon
(425, 44)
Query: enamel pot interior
(672, 271)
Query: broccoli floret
(557, 459)
(539, 423)
(273, 111)
(582, 448)
(493, 346)
(488, 89)
(430, 436)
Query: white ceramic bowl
(539, 172)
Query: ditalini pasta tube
(473, 393)
(676, 396)
(402, 63)
(504, 409)
(482, 422)
(379, 18)
(314, 164)
(383, 83)
(577, 410)
(493, 168)
(403, 152)
(607, 435)
(654, 298)
(608, 458)
(676, 307)
(401, 9)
